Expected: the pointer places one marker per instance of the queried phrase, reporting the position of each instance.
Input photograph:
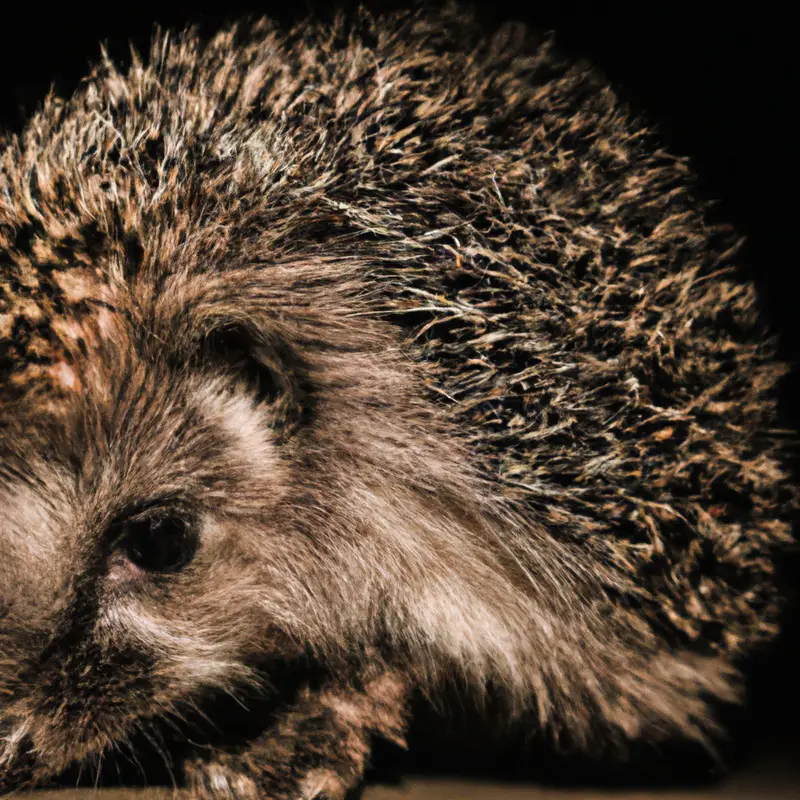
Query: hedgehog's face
(145, 555)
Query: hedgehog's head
(195, 473)
(152, 550)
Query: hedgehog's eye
(160, 543)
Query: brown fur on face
(435, 357)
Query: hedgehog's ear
(261, 363)
(249, 357)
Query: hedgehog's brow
(170, 501)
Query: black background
(717, 82)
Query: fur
(498, 403)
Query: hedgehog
(345, 362)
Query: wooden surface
(771, 772)
(775, 778)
